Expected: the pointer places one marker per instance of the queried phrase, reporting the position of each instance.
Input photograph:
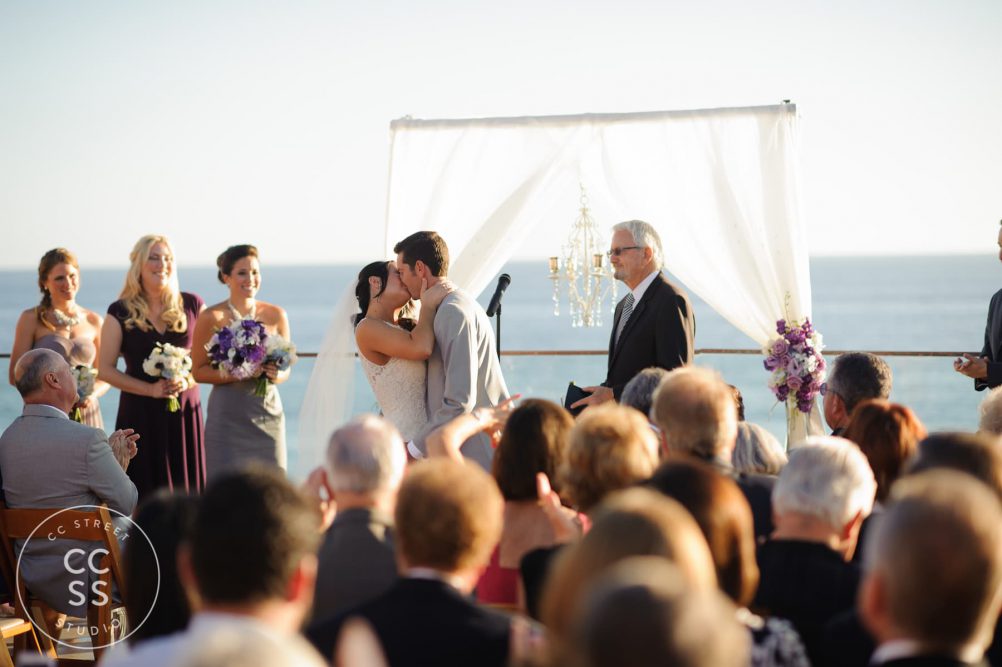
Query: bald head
(695, 410)
(31, 368)
(366, 456)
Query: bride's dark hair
(363, 292)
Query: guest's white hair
(645, 236)
(990, 412)
(828, 478)
(366, 455)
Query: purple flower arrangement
(243, 347)
(796, 364)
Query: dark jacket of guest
(356, 561)
(659, 333)
(992, 349)
(807, 583)
(426, 622)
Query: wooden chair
(19, 524)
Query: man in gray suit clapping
(49, 461)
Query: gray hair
(645, 236)
(857, 376)
(31, 368)
(639, 392)
(991, 413)
(828, 478)
(365, 455)
(757, 451)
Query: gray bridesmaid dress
(241, 427)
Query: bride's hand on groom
(431, 297)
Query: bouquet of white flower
(85, 376)
(279, 351)
(171, 363)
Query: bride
(392, 346)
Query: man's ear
(421, 269)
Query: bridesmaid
(59, 324)
(239, 426)
(151, 309)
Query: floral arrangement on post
(172, 363)
(796, 364)
(85, 376)
(243, 347)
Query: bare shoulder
(215, 313)
(93, 318)
(270, 314)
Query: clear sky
(220, 122)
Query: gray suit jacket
(463, 371)
(357, 562)
(49, 461)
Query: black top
(807, 583)
(660, 333)
(425, 622)
(992, 348)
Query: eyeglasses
(616, 252)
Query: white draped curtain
(720, 186)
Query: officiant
(654, 324)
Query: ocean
(860, 303)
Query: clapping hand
(564, 528)
(318, 490)
(123, 446)
(493, 419)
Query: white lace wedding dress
(399, 387)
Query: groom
(463, 371)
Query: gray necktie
(627, 311)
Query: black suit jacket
(993, 345)
(425, 622)
(808, 584)
(930, 661)
(659, 333)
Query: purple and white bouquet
(171, 363)
(241, 348)
(795, 361)
(85, 377)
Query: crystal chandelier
(586, 270)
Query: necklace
(251, 314)
(64, 320)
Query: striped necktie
(627, 311)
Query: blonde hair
(635, 522)
(611, 447)
(132, 297)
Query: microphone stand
(497, 332)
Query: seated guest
(643, 612)
(49, 461)
(820, 501)
(757, 451)
(976, 454)
(854, 377)
(365, 465)
(724, 517)
(167, 520)
(534, 441)
(990, 412)
(695, 411)
(635, 522)
(847, 643)
(611, 448)
(887, 434)
(448, 520)
(249, 569)
(639, 392)
(933, 573)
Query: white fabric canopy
(720, 186)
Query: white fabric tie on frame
(721, 186)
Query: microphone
(495, 305)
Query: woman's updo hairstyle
(363, 292)
(231, 256)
